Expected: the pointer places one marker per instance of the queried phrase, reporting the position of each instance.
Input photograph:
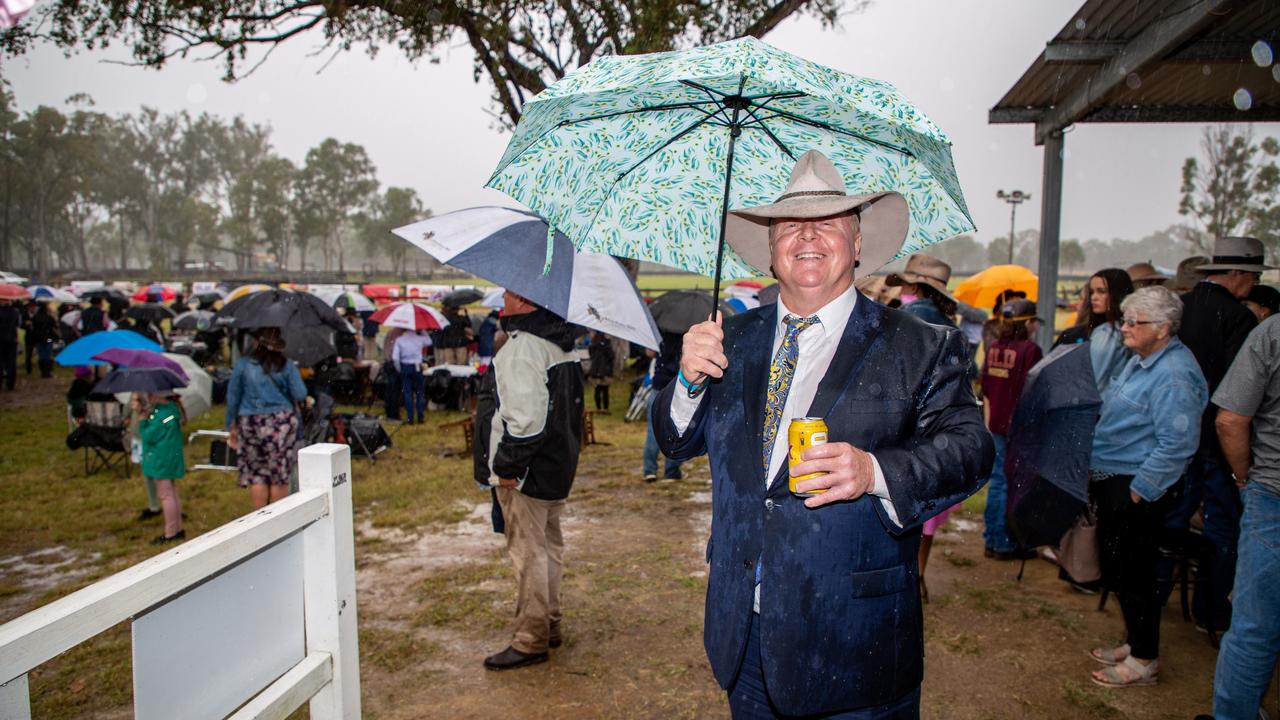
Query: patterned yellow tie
(780, 374)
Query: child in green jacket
(160, 428)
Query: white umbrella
(493, 298)
(512, 248)
(49, 293)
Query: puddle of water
(38, 572)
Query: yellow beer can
(803, 434)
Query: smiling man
(812, 603)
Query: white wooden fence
(250, 620)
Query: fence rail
(327, 673)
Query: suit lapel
(757, 344)
(861, 335)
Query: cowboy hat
(1188, 273)
(1237, 253)
(1145, 272)
(817, 190)
(923, 270)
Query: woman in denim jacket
(262, 417)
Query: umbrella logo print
(593, 312)
(429, 237)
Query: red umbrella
(9, 291)
(149, 292)
(410, 316)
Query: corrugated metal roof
(1193, 59)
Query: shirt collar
(1151, 359)
(833, 314)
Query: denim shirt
(254, 392)
(1108, 354)
(1150, 424)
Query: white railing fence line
(322, 667)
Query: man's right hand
(703, 351)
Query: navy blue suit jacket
(840, 618)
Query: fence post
(15, 699)
(329, 580)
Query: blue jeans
(1250, 647)
(996, 534)
(671, 468)
(1216, 573)
(415, 391)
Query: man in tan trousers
(528, 436)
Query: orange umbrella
(981, 290)
(9, 291)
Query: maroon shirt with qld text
(1004, 372)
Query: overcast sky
(425, 126)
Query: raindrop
(434, 15)
(1275, 72)
(940, 442)
(1133, 81)
(1080, 24)
(1181, 423)
(1262, 55)
(1243, 99)
(1206, 70)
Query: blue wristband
(694, 390)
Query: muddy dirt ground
(432, 606)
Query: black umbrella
(678, 310)
(149, 312)
(208, 297)
(197, 320)
(281, 309)
(309, 345)
(458, 298)
(115, 298)
(140, 380)
(1050, 441)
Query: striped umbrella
(410, 316)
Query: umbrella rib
(648, 108)
(839, 131)
(660, 148)
(760, 124)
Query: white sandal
(1110, 656)
(1135, 674)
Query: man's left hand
(849, 473)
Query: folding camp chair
(103, 437)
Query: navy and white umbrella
(510, 248)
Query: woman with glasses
(1148, 431)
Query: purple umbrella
(134, 358)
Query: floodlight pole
(1014, 198)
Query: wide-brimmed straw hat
(1237, 253)
(923, 270)
(1145, 272)
(817, 190)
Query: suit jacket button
(768, 504)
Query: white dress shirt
(817, 347)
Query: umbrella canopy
(197, 396)
(151, 292)
(643, 155)
(70, 319)
(410, 316)
(244, 290)
(81, 351)
(140, 359)
(352, 301)
(509, 248)
(493, 298)
(51, 294)
(281, 309)
(149, 312)
(676, 311)
(195, 320)
(1050, 441)
(9, 291)
(115, 298)
(742, 304)
(309, 345)
(465, 296)
(981, 290)
(136, 380)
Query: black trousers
(9, 364)
(1129, 537)
(602, 397)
